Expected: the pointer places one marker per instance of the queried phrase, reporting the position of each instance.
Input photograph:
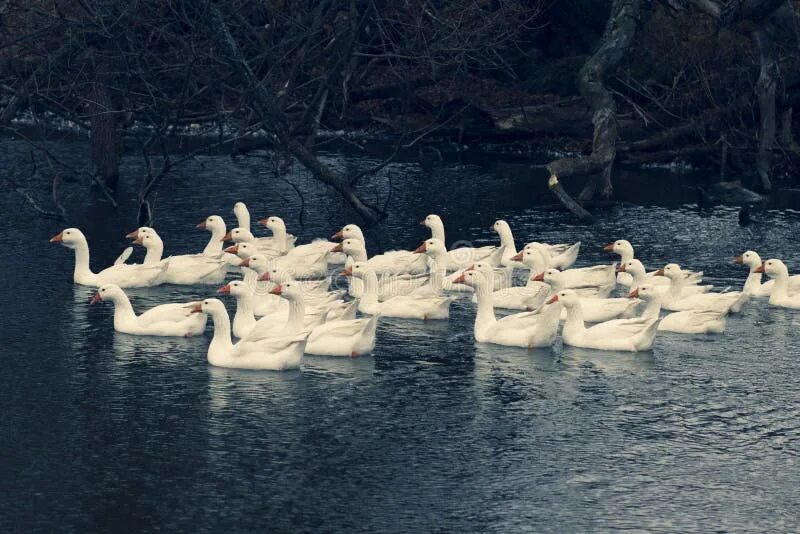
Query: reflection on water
(104, 431)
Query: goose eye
(205, 302)
(103, 290)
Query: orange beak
(420, 249)
(337, 235)
(659, 272)
(517, 257)
(348, 272)
(277, 290)
(338, 248)
(138, 241)
(201, 226)
(226, 289)
(470, 268)
(738, 259)
(133, 235)
(263, 222)
(263, 277)
(226, 237)
(621, 269)
(245, 263)
(58, 238)
(538, 278)
(96, 298)
(609, 247)
(552, 299)
(422, 222)
(460, 279)
(760, 269)
(232, 250)
(196, 308)
(634, 294)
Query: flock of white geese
(285, 306)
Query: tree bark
(274, 120)
(765, 89)
(105, 140)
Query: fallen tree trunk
(765, 90)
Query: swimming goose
(636, 334)
(562, 261)
(244, 318)
(503, 230)
(753, 284)
(350, 337)
(682, 322)
(123, 275)
(276, 354)
(461, 257)
(536, 259)
(163, 320)
(674, 300)
(527, 329)
(624, 248)
(529, 297)
(600, 286)
(402, 306)
(779, 296)
(639, 277)
(185, 269)
(390, 262)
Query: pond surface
(106, 432)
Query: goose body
(461, 257)
(600, 284)
(163, 320)
(405, 306)
(681, 322)
(638, 277)
(625, 250)
(635, 334)
(528, 297)
(350, 337)
(275, 354)
(542, 259)
(503, 230)
(753, 285)
(780, 296)
(674, 300)
(122, 275)
(527, 329)
(391, 262)
(185, 269)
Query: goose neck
(154, 253)
(221, 344)
(82, 272)
(437, 230)
(214, 246)
(297, 312)
(484, 316)
(653, 309)
(370, 295)
(123, 311)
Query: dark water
(103, 432)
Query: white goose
(503, 230)
(316, 298)
(681, 322)
(753, 284)
(638, 277)
(123, 275)
(674, 300)
(403, 306)
(185, 269)
(779, 296)
(536, 259)
(461, 257)
(529, 297)
(391, 262)
(350, 337)
(561, 261)
(636, 334)
(559, 280)
(317, 246)
(265, 245)
(624, 248)
(526, 329)
(216, 226)
(163, 320)
(278, 354)
(311, 265)
(390, 283)
(438, 281)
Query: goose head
(241, 212)
(273, 274)
(622, 247)
(749, 258)
(213, 223)
(274, 223)
(237, 288)
(243, 250)
(633, 268)
(239, 235)
(351, 231)
(645, 292)
(110, 292)
(549, 276)
(359, 269)
(140, 232)
(671, 271)
(500, 226)
(567, 297)
(773, 268)
(149, 240)
(292, 291)
(472, 277)
(69, 237)
(210, 306)
(256, 262)
(350, 246)
(532, 256)
(432, 221)
(432, 247)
